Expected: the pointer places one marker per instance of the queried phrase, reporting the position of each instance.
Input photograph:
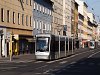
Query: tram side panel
(96, 45)
(66, 45)
(54, 47)
(70, 47)
(62, 47)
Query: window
(30, 21)
(34, 6)
(13, 17)
(50, 27)
(2, 14)
(37, 24)
(40, 25)
(30, 2)
(22, 19)
(26, 20)
(47, 28)
(37, 7)
(19, 18)
(43, 9)
(34, 22)
(40, 7)
(44, 27)
(8, 16)
(50, 12)
(27, 2)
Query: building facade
(15, 20)
(86, 24)
(42, 16)
(82, 9)
(80, 26)
(74, 23)
(57, 15)
(98, 32)
(67, 18)
(92, 26)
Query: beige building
(83, 24)
(61, 17)
(15, 19)
(87, 24)
(57, 17)
(92, 27)
(67, 17)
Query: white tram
(92, 44)
(52, 47)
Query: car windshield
(42, 44)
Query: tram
(49, 46)
(93, 44)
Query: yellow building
(74, 23)
(83, 24)
(76, 20)
(87, 25)
(92, 26)
(16, 19)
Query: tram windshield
(91, 43)
(42, 44)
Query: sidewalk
(18, 58)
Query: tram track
(50, 65)
(47, 67)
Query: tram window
(91, 44)
(56, 46)
(62, 45)
(42, 44)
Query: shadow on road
(89, 66)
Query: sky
(94, 6)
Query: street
(82, 63)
